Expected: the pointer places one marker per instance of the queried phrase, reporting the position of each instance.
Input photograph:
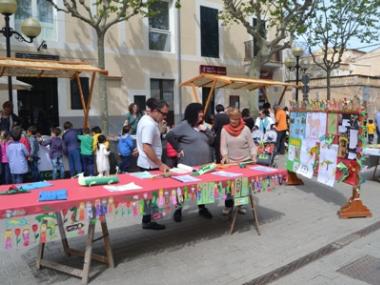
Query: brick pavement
(294, 222)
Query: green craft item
(14, 190)
(241, 201)
(244, 187)
(205, 169)
(344, 169)
(96, 180)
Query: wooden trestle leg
(254, 215)
(354, 207)
(87, 254)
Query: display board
(326, 140)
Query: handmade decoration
(96, 180)
(204, 169)
(14, 190)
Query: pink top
(3, 147)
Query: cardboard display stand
(326, 141)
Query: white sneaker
(227, 211)
(242, 210)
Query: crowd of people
(231, 137)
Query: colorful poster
(294, 152)
(316, 125)
(332, 124)
(297, 125)
(308, 155)
(328, 157)
(205, 194)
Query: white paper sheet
(351, 155)
(226, 174)
(121, 188)
(186, 178)
(353, 139)
(327, 164)
(307, 158)
(142, 175)
(262, 168)
(342, 129)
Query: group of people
(193, 142)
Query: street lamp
(29, 27)
(292, 63)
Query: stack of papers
(121, 188)
(263, 168)
(186, 178)
(55, 195)
(142, 174)
(226, 174)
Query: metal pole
(297, 75)
(179, 62)
(7, 36)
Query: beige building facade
(145, 58)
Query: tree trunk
(102, 85)
(253, 96)
(328, 84)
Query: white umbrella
(16, 84)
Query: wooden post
(107, 244)
(195, 95)
(282, 95)
(84, 106)
(209, 97)
(354, 207)
(88, 252)
(254, 212)
(293, 179)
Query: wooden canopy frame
(214, 81)
(21, 67)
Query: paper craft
(342, 129)
(241, 201)
(297, 125)
(262, 168)
(121, 188)
(186, 178)
(327, 164)
(226, 173)
(294, 152)
(316, 125)
(205, 193)
(309, 151)
(142, 174)
(351, 155)
(55, 195)
(34, 185)
(353, 139)
(332, 123)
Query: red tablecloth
(28, 203)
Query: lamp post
(295, 63)
(29, 27)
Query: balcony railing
(250, 53)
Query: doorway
(39, 106)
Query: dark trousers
(34, 171)
(281, 142)
(75, 162)
(88, 164)
(371, 138)
(125, 162)
(17, 178)
(6, 177)
(147, 217)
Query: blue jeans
(74, 162)
(17, 178)
(58, 166)
(88, 165)
(6, 177)
(125, 163)
(34, 171)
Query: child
(5, 172)
(125, 147)
(96, 132)
(102, 157)
(271, 135)
(34, 148)
(86, 152)
(55, 144)
(371, 129)
(72, 148)
(17, 157)
(257, 135)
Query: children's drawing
(294, 152)
(328, 157)
(297, 125)
(309, 150)
(316, 125)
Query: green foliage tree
(285, 17)
(101, 15)
(334, 25)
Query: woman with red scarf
(236, 146)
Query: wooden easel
(87, 254)
(254, 214)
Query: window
(43, 11)
(263, 33)
(163, 89)
(76, 103)
(159, 23)
(235, 101)
(209, 32)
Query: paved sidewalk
(294, 222)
